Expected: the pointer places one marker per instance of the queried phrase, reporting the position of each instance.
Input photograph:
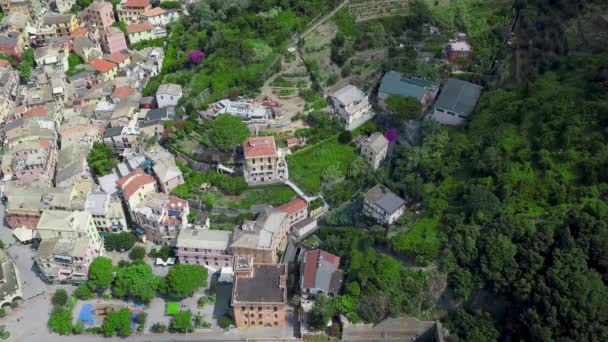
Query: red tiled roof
(176, 203)
(4, 63)
(123, 92)
(311, 263)
(259, 147)
(78, 32)
(125, 179)
(154, 12)
(134, 28)
(293, 206)
(101, 65)
(137, 3)
(117, 57)
(36, 112)
(133, 181)
(45, 143)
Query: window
(276, 323)
(275, 308)
(260, 316)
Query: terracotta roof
(79, 32)
(45, 143)
(177, 203)
(101, 65)
(259, 147)
(117, 57)
(154, 12)
(123, 92)
(311, 265)
(137, 3)
(133, 182)
(293, 206)
(125, 179)
(36, 112)
(140, 27)
(4, 63)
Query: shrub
(61, 321)
(117, 322)
(2, 312)
(78, 328)
(182, 322)
(225, 321)
(159, 328)
(141, 318)
(345, 137)
(137, 253)
(60, 298)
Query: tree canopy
(227, 131)
(101, 159)
(117, 322)
(404, 107)
(101, 273)
(183, 279)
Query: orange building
(259, 295)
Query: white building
(383, 205)
(374, 150)
(351, 106)
(107, 211)
(69, 225)
(168, 94)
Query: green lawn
(421, 240)
(306, 165)
(172, 308)
(271, 194)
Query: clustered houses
(51, 122)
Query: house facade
(383, 205)
(120, 138)
(70, 225)
(168, 94)
(263, 238)
(100, 14)
(113, 40)
(65, 260)
(320, 273)
(264, 164)
(374, 150)
(140, 32)
(130, 11)
(107, 211)
(456, 102)
(351, 106)
(296, 210)
(259, 295)
(199, 246)
(160, 217)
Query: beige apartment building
(264, 163)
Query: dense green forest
(521, 191)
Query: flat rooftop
(266, 285)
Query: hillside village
(227, 170)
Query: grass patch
(421, 241)
(272, 194)
(172, 308)
(306, 165)
(312, 242)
